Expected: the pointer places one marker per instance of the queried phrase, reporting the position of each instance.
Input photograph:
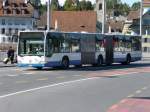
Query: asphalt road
(87, 89)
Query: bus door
(109, 49)
(87, 49)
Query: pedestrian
(10, 54)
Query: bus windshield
(31, 44)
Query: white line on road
(11, 75)
(48, 86)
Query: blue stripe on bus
(58, 63)
(30, 65)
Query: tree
(85, 5)
(116, 8)
(136, 6)
(35, 3)
(55, 5)
(43, 8)
(125, 8)
(89, 5)
(70, 5)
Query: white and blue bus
(40, 49)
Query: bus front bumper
(31, 65)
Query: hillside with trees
(114, 7)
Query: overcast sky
(130, 2)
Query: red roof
(19, 5)
(72, 21)
(133, 15)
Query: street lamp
(141, 14)
(104, 15)
(48, 15)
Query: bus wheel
(39, 68)
(100, 61)
(128, 59)
(65, 63)
(78, 66)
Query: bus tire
(39, 68)
(100, 60)
(128, 60)
(65, 62)
(78, 66)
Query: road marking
(144, 88)
(12, 75)
(21, 82)
(138, 91)
(42, 79)
(77, 75)
(130, 96)
(48, 86)
(61, 77)
(29, 73)
(124, 74)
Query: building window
(100, 6)
(145, 49)
(10, 31)
(23, 11)
(4, 39)
(3, 22)
(14, 11)
(9, 39)
(16, 31)
(145, 40)
(3, 30)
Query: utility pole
(48, 15)
(104, 17)
(141, 17)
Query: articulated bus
(41, 49)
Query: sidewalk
(139, 104)
(7, 65)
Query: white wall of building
(11, 25)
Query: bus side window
(136, 44)
(56, 45)
(66, 46)
(75, 46)
(116, 44)
(100, 45)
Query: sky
(130, 2)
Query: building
(15, 15)
(131, 18)
(132, 26)
(114, 25)
(70, 21)
(99, 12)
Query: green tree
(136, 6)
(35, 3)
(43, 8)
(70, 5)
(124, 8)
(116, 8)
(85, 5)
(89, 6)
(82, 5)
(55, 5)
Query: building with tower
(99, 11)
